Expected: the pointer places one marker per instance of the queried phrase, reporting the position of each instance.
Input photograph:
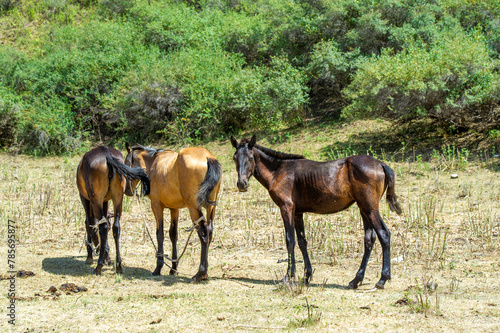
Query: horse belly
(324, 204)
(168, 196)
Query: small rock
(52, 290)
(454, 176)
(71, 287)
(402, 302)
(23, 274)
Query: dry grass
(445, 250)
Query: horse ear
(234, 142)
(128, 147)
(252, 142)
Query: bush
(328, 72)
(9, 117)
(72, 85)
(203, 93)
(451, 81)
(222, 95)
(47, 126)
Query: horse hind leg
(116, 236)
(369, 240)
(107, 258)
(102, 230)
(157, 208)
(173, 233)
(384, 237)
(205, 231)
(88, 218)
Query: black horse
(101, 176)
(298, 185)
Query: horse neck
(265, 168)
(148, 161)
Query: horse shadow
(249, 282)
(75, 266)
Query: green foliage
(70, 85)
(9, 118)
(187, 70)
(116, 7)
(446, 81)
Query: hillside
(76, 72)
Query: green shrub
(116, 7)
(9, 118)
(47, 126)
(448, 81)
(203, 93)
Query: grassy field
(445, 250)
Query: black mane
(277, 154)
(150, 150)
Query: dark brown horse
(101, 176)
(298, 185)
(190, 178)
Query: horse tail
(212, 178)
(391, 196)
(137, 173)
(86, 174)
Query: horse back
(94, 181)
(332, 186)
(192, 169)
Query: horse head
(244, 160)
(134, 159)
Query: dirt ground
(445, 260)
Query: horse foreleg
(174, 216)
(157, 208)
(301, 239)
(116, 236)
(369, 241)
(289, 222)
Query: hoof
(199, 277)
(157, 272)
(119, 269)
(89, 261)
(354, 284)
(287, 278)
(97, 270)
(307, 278)
(380, 285)
(173, 272)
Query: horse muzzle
(242, 186)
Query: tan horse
(190, 178)
(101, 176)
